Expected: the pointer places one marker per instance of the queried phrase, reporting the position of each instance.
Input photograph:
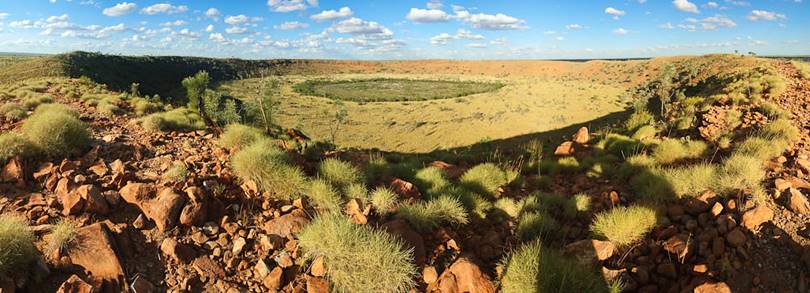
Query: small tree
(339, 117)
(267, 100)
(196, 87)
(133, 89)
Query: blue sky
(385, 29)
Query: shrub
(672, 150)
(62, 236)
(12, 145)
(178, 172)
(36, 100)
(356, 190)
(621, 146)
(773, 111)
(733, 118)
(358, 258)
(180, 119)
(485, 179)
(624, 226)
(582, 202)
(535, 268)
(17, 249)
(108, 108)
(239, 136)
(509, 206)
(56, 134)
(645, 132)
(13, 111)
(780, 129)
(431, 181)
(54, 109)
(740, 172)
(270, 168)
(143, 106)
(803, 68)
(323, 195)
(338, 172)
(425, 216)
(535, 224)
(383, 200)
(761, 148)
(638, 119)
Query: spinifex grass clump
(425, 216)
(672, 150)
(358, 258)
(383, 200)
(486, 178)
(268, 166)
(56, 131)
(17, 249)
(180, 119)
(535, 268)
(339, 173)
(178, 172)
(535, 224)
(13, 111)
(53, 109)
(624, 226)
(239, 136)
(63, 234)
(323, 195)
(12, 145)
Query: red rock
(450, 170)
(274, 280)
(67, 166)
(667, 270)
(355, 211)
(142, 285)
(72, 203)
(752, 218)
(700, 204)
(414, 240)
(99, 168)
(782, 184)
(700, 269)
(318, 267)
(564, 149)
(736, 237)
(804, 164)
(798, 203)
(287, 225)
(64, 186)
(678, 245)
(193, 214)
(589, 251)
(44, 170)
(205, 266)
(14, 172)
(464, 276)
(74, 284)
(405, 189)
(95, 202)
(717, 209)
(582, 136)
(429, 275)
(94, 251)
(719, 287)
(164, 209)
(179, 252)
(317, 285)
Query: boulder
(287, 225)
(405, 189)
(736, 237)
(74, 284)
(718, 287)
(678, 245)
(412, 239)
(752, 218)
(565, 149)
(797, 202)
(590, 251)
(207, 267)
(582, 136)
(14, 172)
(464, 276)
(179, 252)
(72, 203)
(164, 209)
(95, 252)
(95, 201)
(274, 280)
(317, 285)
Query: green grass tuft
(178, 172)
(270, 168)
(180, 119)
(431, 181)
(672, 150)
(358, 258)
(535, 268)
(341, 174)
(426, 216)
(56, 133)
(239, 136)
(323, 195)
(56, 109)
(645, 132)
(13, 111)
(17, 249)
(486, 179)
(638, 119)
(12, 145)
(740, 172)
(63, 234)
(535, 225)
(383, 200)
(624, 226)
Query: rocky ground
(142, 232)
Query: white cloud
(69, 34)
(685, 6)
(620, 31)
(435, 4)
(343, 12)
(164, 8)
(476, 46)
(212, 13)
(292, 25)
(708, 23)
(497, 21)
(235, 30)
(667, 25)
(712, 4)
(209, 28)
(445, 38)
(63, 17)
(498, 41)
(757, 15)
(120, 9)
(216, 37)
(290, 5)
(188, 34)
(26, 23)
(615, 12)
(173, 23)
(241, 19)
(574, 26)
(3, 15)
(427, 15)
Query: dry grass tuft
(535, 268)
(270, 168)
(17, 248)
(341, 174)
(239, 136)
(426, 216)
(624, 226)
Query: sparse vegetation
(383, 200)
(239, 136)
(392, 90)
(13, 111)
(178, 172)
(486, 178)
(270, 168)
(624, 226)
(535, 268)
(63, 234)
(426, 216)
(323, 195)
(56, 131)
(339, 173)
(355, 256)
(180, 119)
(12, 145)
(17, 249)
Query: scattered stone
(798, 203)
(74, 284)
(274, 279)
(405, 189)
(284, 260)
(782, 184)
(238, 245)
(317, 285)
(14, 172)
(94, 251)
(207, 267)
(752, 218)
(717, 209)
(719, 287)
(804, 164)
(261, 268)
(582, 136)
(429, 275)
(464, 276)
(287, 225)
(565, 149)
(95, 202)
(414, 240)
(179, 252)
(318, 268)
(355, 211)
(164, 209)
(590, 251)
(72, 203)
(142, 285)
(140, 222)
(99, 168)
(736, 237)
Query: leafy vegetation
(355, 255)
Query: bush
(621, 146)
(108, 108)
(358, 258)
(773, 111)
(645, 132)
(638, 119)
(17, 249)
(323, 195)
(339, 173)
(740, 172)
(180, 119)
(568, 165)
(143, 106)
(761, 148)
(56, 133)
(431, 181)
(509, 206)
(383, 200)
(356, 190)
(12, 145)
(425, 216)
(13, 111)
(781, 130)
(582, 202)
(239, 136)
(535, 268)
(535, 224)
(63, 234)
(36, 100)
(624, 226)
(672, 150)
(485, 179)
(178, 172)
(55, 109)
(270, 168)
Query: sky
(404, 29)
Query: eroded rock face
(463, 276)
(95, 252)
